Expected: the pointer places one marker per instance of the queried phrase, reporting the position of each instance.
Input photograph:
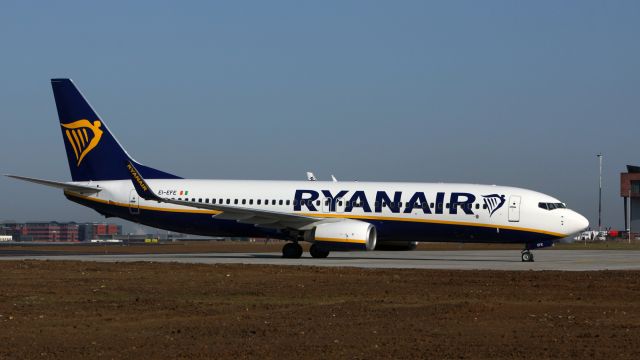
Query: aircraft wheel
(318, 252)
(291, 251)
(527, 256)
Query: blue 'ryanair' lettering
(333, 199)
(418, 200)
(383, 199)
(299, 201)
(465, 205)
(358, 199)
(308, 198)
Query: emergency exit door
(514, 208)
(134, 203)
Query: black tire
(318, 252)
(527, 257)
(291, 251)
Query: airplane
(332, 216)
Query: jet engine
(343, 235)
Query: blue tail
(93, 152)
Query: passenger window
(288, 202)
(273, 202)
(250, 201)
(193, 199)
(448, 205)
(477, 206)
(244, 201)
(235, 201)
(213, 201)
(200, 200)
(259, 201)
(484, 206)
(317, 202)
(206, 200)
(280, 202)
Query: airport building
(59, 232)
(93, 231)
(630, 192)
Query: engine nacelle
(344, 235)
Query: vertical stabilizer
(92, 151)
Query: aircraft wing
(82, 189)
(262, 218)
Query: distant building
(45, 231)
(93, 231)
(630, 191)
(62, 232)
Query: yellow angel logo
(81, 141)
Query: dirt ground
(54, 309)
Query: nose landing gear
(527, 256)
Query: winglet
(142, 188)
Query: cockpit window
(552, 206)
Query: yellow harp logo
(83, 137)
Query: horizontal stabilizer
(83, 189)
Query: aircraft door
(514, 208)
(134, 202)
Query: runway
(563, 260)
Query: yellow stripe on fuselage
(357, 241)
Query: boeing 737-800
(330, 215)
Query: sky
(495, 92)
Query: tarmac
(561, 260)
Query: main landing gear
(527, 256)
(293, 250)
(318, 252)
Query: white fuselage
(469, 206)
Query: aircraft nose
(578, 223)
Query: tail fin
(93, 152)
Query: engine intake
(344, 235)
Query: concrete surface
(568, 260)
